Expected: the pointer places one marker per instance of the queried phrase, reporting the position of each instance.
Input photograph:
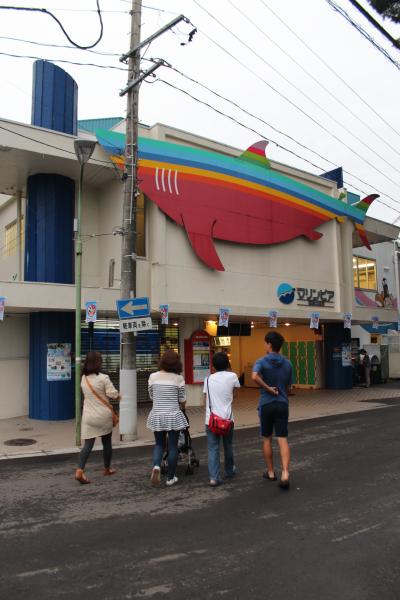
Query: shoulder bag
(115, 417)
(217, 424)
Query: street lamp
(83, 150)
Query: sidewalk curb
(141, 443)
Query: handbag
(217, 424)
(115, 417)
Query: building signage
(347, 320)
(273, 318)
(143, 324)
(2, 306)
(133, 308)
(58, 362)
(197, 192)
(314, 320)
(305, 296)
(164, 313)
(91, 312)
(223, 317)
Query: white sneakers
(155, 477)
(172, 481)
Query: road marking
(166, 557)
(358, 532)
(38, 572)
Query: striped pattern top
(167, 391)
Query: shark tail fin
(256, 154)
(363, 235)
(366, 202)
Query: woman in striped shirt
(167, 391)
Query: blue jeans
(213, 454)
(158, 450)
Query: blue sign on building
(133, 308)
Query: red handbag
(217, 424)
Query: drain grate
(20, 442)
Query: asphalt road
(334, 535)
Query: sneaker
(172, 481)
(155, 476)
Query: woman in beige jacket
(97, 416)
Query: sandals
(109, 471)
(268, 478)
(284, 484)
(81, 477)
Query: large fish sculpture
(242, 200)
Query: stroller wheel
(189, 470)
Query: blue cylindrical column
(55, 98)
(337, 376)
(49, 400)
(49, 234)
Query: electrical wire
(375, 23)
(318, 82)
(59, 60)
(319, 124)
(358, 27)
(277, 144)
(14, 39)
(31, 139)
(161, 10)
(50, 14)
(293, 32)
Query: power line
(31, 139)
(375, 23)
(320, 125)
(47, 12)
(220, 112)
(316, 80)
(358, 27)
(376, 113)
(59, 60)
(14, 39)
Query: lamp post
(83, 150)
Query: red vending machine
(197, 357)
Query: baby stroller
(186, 454)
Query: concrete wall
(11, 267)
(14, 361)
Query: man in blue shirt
(273, 373)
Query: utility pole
(128, 407)
(128, 381)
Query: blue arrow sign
(133, 307)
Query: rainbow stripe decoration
(214, 196)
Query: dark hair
(170, 362)
(220, 361)
(92, 364)
(275, 339)
(363, 351)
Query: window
(11, 238)
(364, 273)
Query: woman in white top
(96, 417)
(219, 392)
(167, 391)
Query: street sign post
(133, 308)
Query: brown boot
(81, 477)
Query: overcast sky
(297, 112)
